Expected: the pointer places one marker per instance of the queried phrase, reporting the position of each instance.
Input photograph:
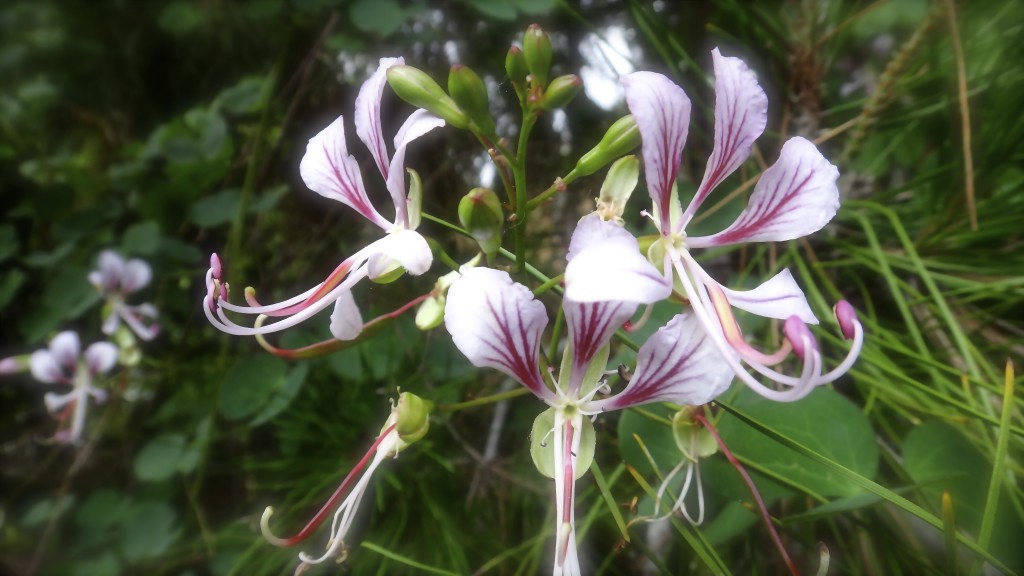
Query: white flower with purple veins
(497, 323)
(115, 279)
(329, 170)
(793, 198)
(63, 364)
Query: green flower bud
(481, 215)
(430, 314)
(617, 188)
(537, 52)
(561, 91)
(515, 65)
(388, 274)
(470, 93)
(620, 139)
(416, 88)
(694, 441)
(412, 417)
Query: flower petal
(100, 357)
(367, 115)
(497, 323)
(662, 113)
(679, 364)
(741, 112)
(346, 320)
(794, 197)
(780, 297)
(45, 368)
(111, 267)
(591, 326)
(136, 276)
(329, 170)
(419, 123)
(406, 247)
(55, 402)
(65, 349)
(605, 264)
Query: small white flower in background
(115, 279)
(63, 363)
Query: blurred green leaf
(249, 384)
(106, 564)
(656, 436)
(149, 529)
(159, 458)
(8, 241)
(284, 395)
(217, 209)
(42, 511)
(141, 238)
(382, 17)
(9, 286)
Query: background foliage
(169, 130)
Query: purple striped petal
(605, 264)
(329, 170)
(65, 348)
(419, 123)
(794, 197)
(497, 323)
(45, 368)
(111, 267)
(741, 112)
(662, 113)
(780, 297)
(367, 115)
(591, 326)
(679, 364)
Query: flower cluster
(499, 323)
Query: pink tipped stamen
(324, 288)
(846, 315)
(762, 509)
(326, 509)
(733, 334)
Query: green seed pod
(470, 93)
(537, 52)
(561, 91)
(415, 87)
(620, 139)
(481, 215)
(542, 445)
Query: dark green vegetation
(169, 130)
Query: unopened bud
(846, 315)
(14, 364)
(620, 139)
(412, 417)
(561, 91)
(515, 65)
(481, 215)
(618, 187)
(430, 314)
(691, 438)
(537, 52)
(470, 93)
(415, 87)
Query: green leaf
(217, 209)
(8, 242)
(41, 511)
(249, 385)
(656, 435)
(244, 97)
(149, 529)
(284, 395)
(142, 238)
(9, 286)
(824, 421)
(105, 564)
(382, 17)
(158, 459)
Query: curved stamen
(314, 295)
(731, 328)
(693, 469)
(321, 514)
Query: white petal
(407, 248)
(346, 321)
(741, 112)
(591, 326)
(605, 264)
(780, 297)
(367, 115)
(497, 323)
(329, 170)
(662, 113)
(419, 123)
(679, 364)
(55, 402)
(44, 367)
(795, 197)
(111, 267)
(137, 275)
(100, 357)
(65, 349)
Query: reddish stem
(753, 492)
(324, 511)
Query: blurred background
(168, 130)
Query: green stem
(483, 400)
(557, 186)
(519, 173)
